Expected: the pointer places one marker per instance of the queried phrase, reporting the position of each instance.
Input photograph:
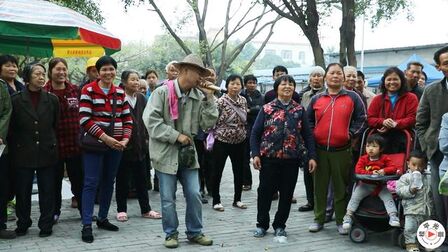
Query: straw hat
(194, 61)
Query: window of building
(286, 54)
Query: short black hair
(279, 69)
(125, 75)
(5, 58)
(378, 139)
(360, 74)
(438, 53)
(334, 64)
(287, 78)
(53, 62)
(234, 77)
(415, 63)
(151, 71)
(250, 77)
(403, 89)
(419, 155)
(105, 60)
(426, 76)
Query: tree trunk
(347, 34)
(316, 46)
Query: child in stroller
(376, 165)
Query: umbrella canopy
(43, 29)
(429, 69)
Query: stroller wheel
(358, 234)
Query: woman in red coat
(392, 110)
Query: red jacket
(404, 112)
(67, 129)
(336, 119)
(366, 166)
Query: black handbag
(91, 143)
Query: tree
(304, 13)
(250, 19)
(88, 8)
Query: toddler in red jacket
(373, 163)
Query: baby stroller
(371, 213)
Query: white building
(300, 53)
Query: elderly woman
(101, 105)
(351, 79)
(279, 137)
(230, 135)
(133, 160)
(316, 83)
(33, 148)
(67, 132)
(394, 109)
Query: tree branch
(257, 53)
(170, 30)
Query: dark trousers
(309, 184)
(74, 171)
(281, 175)
(100, 169)
(203, 169)
(4, 191)
(220, 153)
(247, 174)
(10, 173)
(24, 186)
(136, 169)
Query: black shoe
(86, 234)
(20, 231)
(247, 187)
(106, 225)
(306, 208)
(7, 234)
(45, 233)
(204, 200)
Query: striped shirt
(95, 111)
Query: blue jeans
(168, 187)
(99, 168)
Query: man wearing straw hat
(173, 116)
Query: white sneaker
(347, 222)
(394, 221)
(218, 207)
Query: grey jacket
(432, 106)
(194, 113)
(420, 203)
(443, 144)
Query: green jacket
(5, 111)
(33, 142)
(432, 106)
(194, 113)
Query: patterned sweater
(230, 127)
(282, 131)
(95, 111)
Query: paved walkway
(231, 229)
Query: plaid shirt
(67, 130)
(95, 111)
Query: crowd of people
(99, 133)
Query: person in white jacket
(414, 188)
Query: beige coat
(194, 113)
